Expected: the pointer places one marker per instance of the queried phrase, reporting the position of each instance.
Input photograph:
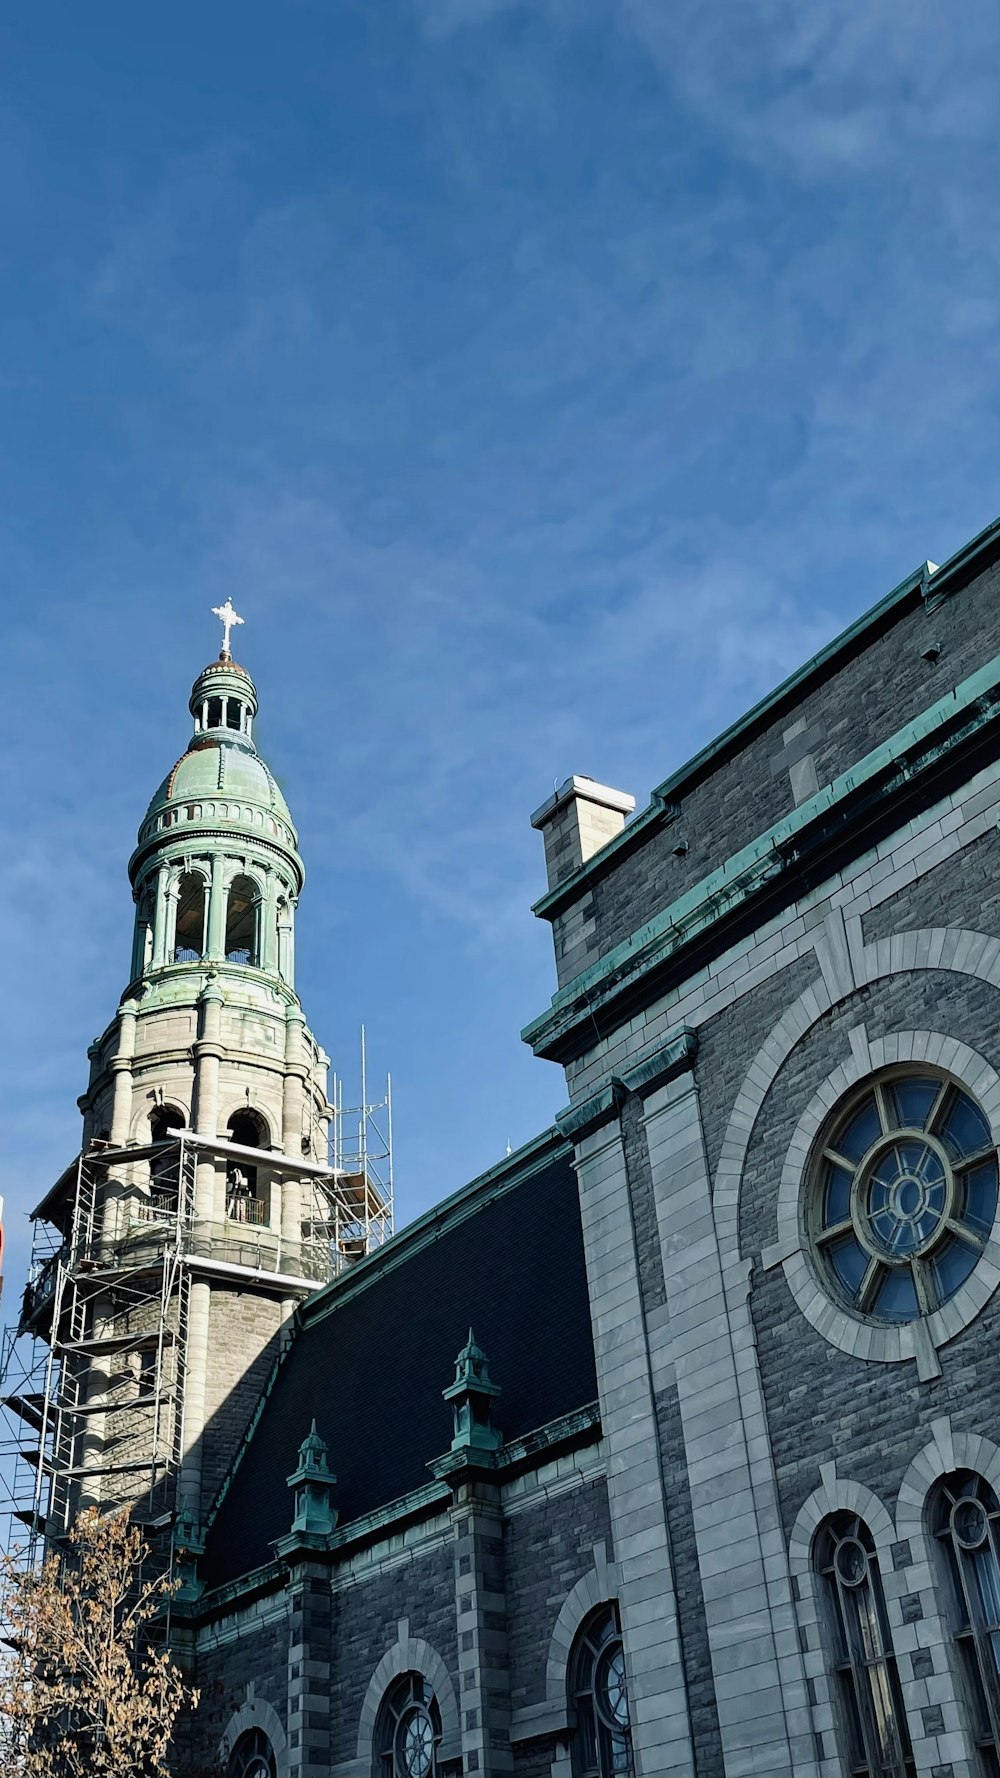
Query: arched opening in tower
(163, 1167)
(242, 1202)
(243, 922)
(189, 945)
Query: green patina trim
(761, 861)
(581, 1120)
(664, 1063)
(581, 1425)
(662, 807)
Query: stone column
(293, 1091)
(216, 939)
(269, 925)
(286, 943)
(108, 1212)
(208, 1051)
(121, 1069)
(661, 1731)
(291, 1224)
(757, 1668)
(160, 913)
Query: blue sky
(542, 381)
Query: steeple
(205, 1174)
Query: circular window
(904, 1195)
(415, 1742)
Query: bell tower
(203, 1205)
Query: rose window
(906, 1195)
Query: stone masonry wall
(821, 1404)
(242, 1345)
(958, 892)
(867, 699)
(547, 1549)
(258, 1657)
(364, 1625)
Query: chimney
(576, 821)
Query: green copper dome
(220, 785)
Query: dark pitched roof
(373, 1351)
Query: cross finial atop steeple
(228, 618)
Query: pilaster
(661, 1731)
(309, 1621)
(757, 1670)
(480, 1617)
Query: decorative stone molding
(596, 1587)
(602, 1107)
(946, 1451)
(913, 1339)
(410, 1654)
(255, 1713)
(662, 1064)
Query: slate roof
(373, 1351)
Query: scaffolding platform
(118, 1241)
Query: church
(670, 1445)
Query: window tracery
(602, 1742)
(872, 1722)
(966, 1524)
(903, 1194)
(252, 1757)
(408, 1730)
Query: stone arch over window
(191, 920)
(845, 967)
(249, 1126)
(254, 1719)
(591, 1591)
(409, 1655)
(841, 1505)
(243, 920)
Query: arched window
(163, 1167)
(242, 1203)
(189, 941)
(602, 1744)
(966, 1522)
(874, 1738)
(408, 1730)
(252, 1757)
(243, 922)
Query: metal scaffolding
(92, 1375)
